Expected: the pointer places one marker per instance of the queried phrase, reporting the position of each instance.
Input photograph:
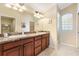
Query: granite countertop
(18, 37)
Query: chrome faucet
(5, 34)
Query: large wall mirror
(7, 24)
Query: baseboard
(68, 45)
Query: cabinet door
(38, 43)
(43, 43)
(29, 49)
(47, 41)
(37, 50)
(12, 52)
(0, 50)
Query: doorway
(67, 29)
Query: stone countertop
(18, 37)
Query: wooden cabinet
(37, 45)
(45, 41)
(28, 46)
(21, 47)
(37, 50)
(13, 48)
(29, 49)
(12, 44)
(0, 50)
(26, 40)
(12, 52)
(25, 46)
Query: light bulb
(17, 5)
(15, 8)
(36, 16)
(20, 10)
(41, 15)
(23, 7)
(8, 5)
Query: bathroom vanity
(24, 45)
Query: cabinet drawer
(24, 41)
(37, 50)
(37, 37)
(12, 52)
(46, 35)
(38, 43)
(11, 44)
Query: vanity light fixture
(23, 7)
(38, 14)
(20, 10)
(8, 5)
(17, 6)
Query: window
(67, 22)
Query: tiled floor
(47, 52)
(62, 51)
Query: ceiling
(63, 5)
(43, 7)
